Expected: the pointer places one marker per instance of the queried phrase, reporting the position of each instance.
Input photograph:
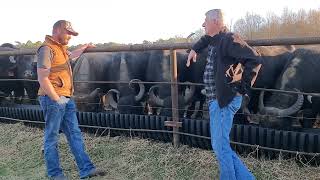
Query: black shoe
(95, 172)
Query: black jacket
(236, 65)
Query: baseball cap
(66, 25)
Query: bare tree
(249, 26)
(288, 24)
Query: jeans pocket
(54, 105)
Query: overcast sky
(125, 21)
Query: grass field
(130, 158)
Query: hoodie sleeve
(241, 52)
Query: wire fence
(166, 108)
(25, 98)
(316, 94)
(256, 147)
(261, 42)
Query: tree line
(289, 24)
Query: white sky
(125, 21)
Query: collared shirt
(208, 76)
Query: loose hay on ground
(129, 158)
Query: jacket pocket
(58, 82)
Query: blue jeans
(63, 117)
(231, 167)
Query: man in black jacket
(231, 69)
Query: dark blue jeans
(221, 119)
(63, 117)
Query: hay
(130, 158)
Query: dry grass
(130, 158)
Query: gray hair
(216, 14)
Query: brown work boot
(95, 172)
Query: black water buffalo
(8, 70)
(128, 66)
(159, 70)
(299, 74)
(27, 69)
(194, 74)
(18, 67)
(274, 59)
(309, 111)
(91, 67)
(119, 68)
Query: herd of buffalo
(139, 83)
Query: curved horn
(190, 35)
(295, 107)
(87, 98)
(203, 91)
(309, 98)
(95, 92)
(142, 89)
(282, 112)
(261, 104)
(153, 98)
(245, 103)
(112, 102)
(188, 40)
(245, 109)
(189, 94)
(291, 48)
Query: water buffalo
(91, 67)
(128, 66)
(18, 67)
(299, 74)
(159, 70)
(274, 59)
(119, 68)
